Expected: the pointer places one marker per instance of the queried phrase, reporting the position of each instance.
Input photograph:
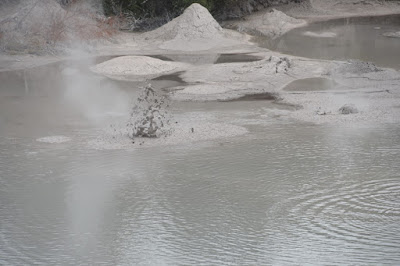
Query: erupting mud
(149, 116)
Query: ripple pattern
(365, 215)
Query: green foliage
(152, 8)
(147, 14)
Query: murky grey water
(210, 58)
(286, 193)
(350, 38)
(197, 59)
(311, 84)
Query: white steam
(95, 97)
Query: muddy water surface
(359, 38)
(286, 193)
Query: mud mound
(348, 109)
(195, 29)
(136, 67)
(276, 16)
(195, 23)
(273, 24)
(280, 23)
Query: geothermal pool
(361, 38)
(284, 193)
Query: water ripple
(366, 213)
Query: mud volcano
(149, 116)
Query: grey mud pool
(360, 38)
(265, 190)
(283, 193)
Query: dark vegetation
(43, 26)
(147, 14)
(50, 26)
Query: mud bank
(318, 10)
